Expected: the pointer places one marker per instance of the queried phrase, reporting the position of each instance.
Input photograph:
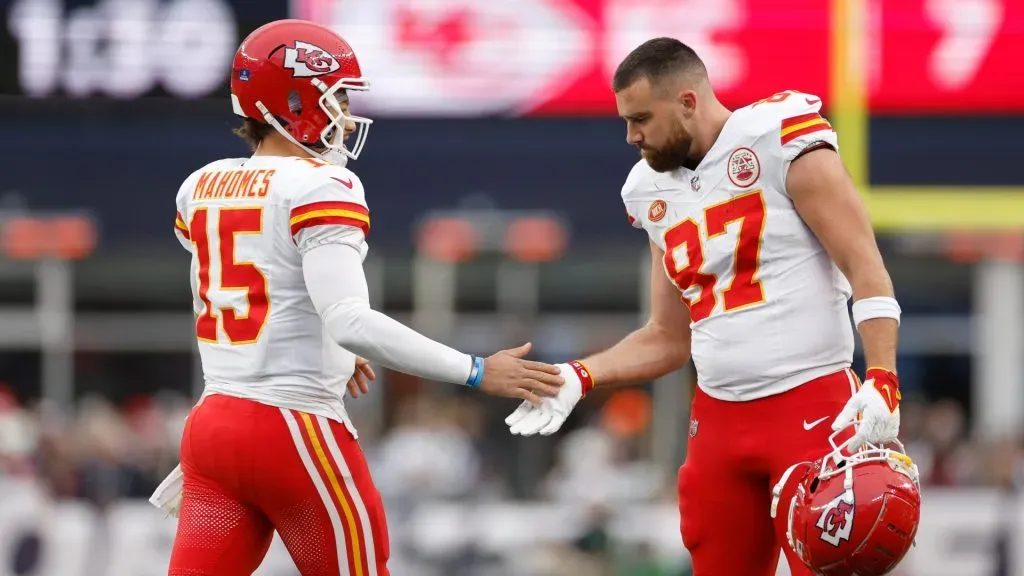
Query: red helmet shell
(857, 521)
(286, 67)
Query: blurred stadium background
(493, 174)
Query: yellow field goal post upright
(901, 208)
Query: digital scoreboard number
(119, 49)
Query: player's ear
(688, 100)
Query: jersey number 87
(685, 240)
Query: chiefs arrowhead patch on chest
(744, 167)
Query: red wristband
(887, 384)
(586, 380)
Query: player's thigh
(723, 506)
(802, 434)
(217, 535)
(801, 427)
(324, 505)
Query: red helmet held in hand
(295, 75)
(851, 515)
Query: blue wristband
(476, 374)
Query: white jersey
(768, 306)
(247, 223)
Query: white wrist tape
(875, 307)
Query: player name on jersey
(233, 184)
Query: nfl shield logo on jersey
(744, 168)
(693, 428)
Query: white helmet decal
(307, 60)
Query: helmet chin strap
(332, 156)
(335, 157)
(777, 489)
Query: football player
(277, 242)
(754, 220)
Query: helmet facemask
(332, 137)
(839, 461)
(330, 146)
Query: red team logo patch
(744, 168)
(656, 211)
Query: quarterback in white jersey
(248, 222)
(282, 318)
(754, 222)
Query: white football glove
(547, 418)
(878, 403)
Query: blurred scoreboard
(535, 57)
(125, 49)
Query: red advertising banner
(545, 57)
(957, 56)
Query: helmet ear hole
(813, 487)
(295, 103)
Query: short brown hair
(656, 59)
(253, 132)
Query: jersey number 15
(234, 275)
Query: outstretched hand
(507, 373)
(547, 418)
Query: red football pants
(250, 469)
(736, 453)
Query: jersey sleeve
(801, 129)
(332, 211)
(630, 190)
(181, 218)
(181, 231)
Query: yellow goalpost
(901, 208)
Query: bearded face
(654, 125)
(669, 154)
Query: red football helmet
(294, 75)
(851, 515)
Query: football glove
(547, 417)
(878, 404)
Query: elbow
(345, 324)
(673, 344)
(869, 278)
(678, 356)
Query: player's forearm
(644, 355)
(879, 337)
(337, 288)
(378, 338)
(873, 296)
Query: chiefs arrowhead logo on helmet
(306, 60)
(836, 520)
(297, 76)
